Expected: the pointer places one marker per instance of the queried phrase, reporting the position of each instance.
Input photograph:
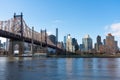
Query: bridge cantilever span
(16, 29)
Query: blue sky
(75, 17)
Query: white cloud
(57, 21)
(114, 29)
(49, 33)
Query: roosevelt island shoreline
(84, 56)
(71, 55)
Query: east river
(36, 68)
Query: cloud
(114, 29)
(57, 21)
(49, 33)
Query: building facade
(110, 44)
(64, 42)
(75, 44)
(98, 43)
(87, 43)
(69, 46)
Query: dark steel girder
(19, 38)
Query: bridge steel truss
(17, 30)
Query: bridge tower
(17, 46)
(46, 41)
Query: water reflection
(15, 68)
(2, 68)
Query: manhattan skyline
(77, 18)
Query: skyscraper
(87, 43)
(69, 43)
(103, 41)
(64, 42)
(98, 43)
(75, 44)
(56, 36)
(81, 47)
(111, 44)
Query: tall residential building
(81, 47)
(64, 42)
(69, 46)
(116, 45)
(103, 41)
(110, 44)
(98, 43)
(56, 36)
(87, 43)
(75, 44)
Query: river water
(14, 68)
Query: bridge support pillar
(16, 47)
(10, 53)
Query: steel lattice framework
(12, 29)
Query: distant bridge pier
(10, 53)
(21, 47)
(16, 47)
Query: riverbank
(3, 55)
(84, 56)
(72, 56)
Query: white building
(87, 43)
(69, 46)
